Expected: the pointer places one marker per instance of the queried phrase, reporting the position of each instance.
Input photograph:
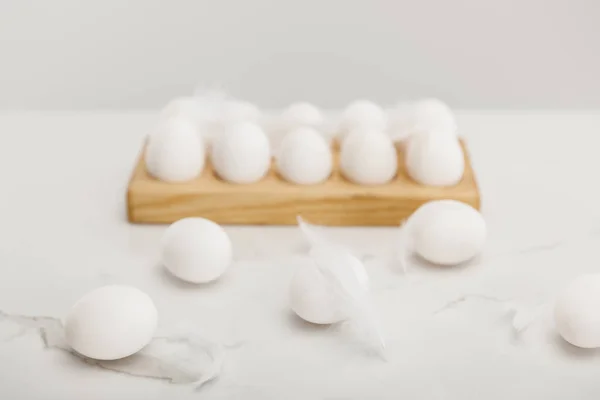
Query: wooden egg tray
(273, 201)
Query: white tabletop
(63, 233)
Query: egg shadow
(297, 323)
(172, 280)
(346, 341)
(419, 261)
(572, 351)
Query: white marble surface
(62, 233)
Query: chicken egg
(111, 322)
(315, 299)
(240, 111)
(196, 250)
(425, 115)
(302, 115)
(434, 114)
(304, 157)
(576, 311)
(446, 232)
(201, 111)
(183, 107)
(242, 153)
(175, 152)
(435, 160)
(368, 158)
(360, 115)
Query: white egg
(304, 157)
(241, 154)
(230, 113)
(422, 116)
(111, 322)
(194, 109)
(240, 111)
(212, 108)
(435, 160)
(362, 130)
(434, 114)
(186, 107)
(368, 158)
(362, 114)
(314, 298)
(175, 152)
(447, 232)
(302, 115)
(577, 311)
(196, 250)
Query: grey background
(114, 54)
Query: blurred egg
(368, 158)
(362, 130)
(304, 157)
(241, 154)
(213, 105)
(435, 160)
(434, 114)
(427, 115)
(577, 311)
(240, 111)
(201, 111)
(447, 232)
(111, 322)
(183, 107)
(315, 299)
(196, 250)
(301, 115)
(175, 152)
(362, 115)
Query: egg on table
(446, 232)
(241, 153)
(196, 250)
(304, 157)
(314, 298)
(111, 322)
(577, 311)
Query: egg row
(117, 321)
(212, 110)
(241, 154)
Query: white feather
(405, 246)
(522, 317)
(347, 275)
(311, 232)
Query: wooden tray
(273, 201)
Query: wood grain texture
(273, 201)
